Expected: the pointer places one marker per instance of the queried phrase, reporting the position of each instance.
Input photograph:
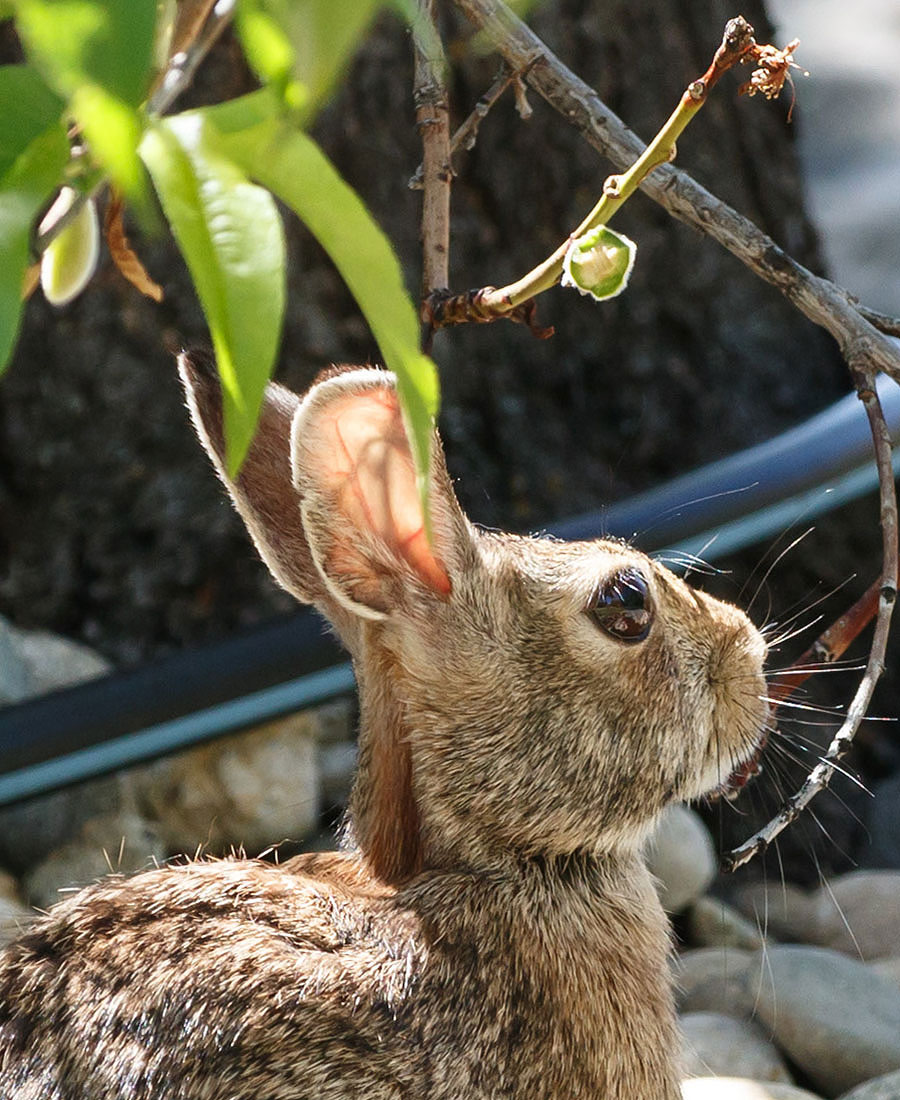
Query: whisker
(780, 557)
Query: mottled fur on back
(491, 930)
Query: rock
(716, 979)
(884, 825)
(30, 831)
(880, 1088)
(717, 1044)
(34, 662)
(713, 923)
(121, 843)
(741, 1088)
(337, 721)
(857, 913)
(860, 914)
(781, 910)
(248, 790)
(54, 662)
(337, 764)
(681, 856)
(835, 1018)
(14, 919)
(9, 887)
(14, 913)
(13, 670)
(889, 968)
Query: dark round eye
(622, 606)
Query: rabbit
(489, 929)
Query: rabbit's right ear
(354, 471)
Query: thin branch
(491, 302)
(821, 774)
(433, 122)
(819, 299)
(184, 64)
(890, 326)
(830, 646)
(467, 134)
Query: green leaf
(321, 36)
(295, 169)
(99, 55)
(23, 191)
(27, 109)
(103, 42)
(113, 131)
(230, 233)
(266, 46)
(599, 263)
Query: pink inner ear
(373, 478)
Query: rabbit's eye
(622, 607)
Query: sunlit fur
(492, 930)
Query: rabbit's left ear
(354, 471)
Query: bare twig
(821, 774)
(467, 134)
(890, 326)
(492, 302)
(830, 646)
(193, 47)
(820, 300)
(433, 121)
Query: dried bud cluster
(773, 70)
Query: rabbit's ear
(354, 470)
(263, 492)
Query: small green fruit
(599, 263)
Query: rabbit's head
(518, 694)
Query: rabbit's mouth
(742, 774)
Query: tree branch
(433, 122)
(467, 134)
(819, 299)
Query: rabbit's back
(211, 981)
(240, 981)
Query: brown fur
(492, 930)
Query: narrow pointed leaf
(231, 236)
(104, 42)
(295, 169)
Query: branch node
(523, 107)
(612, 187)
